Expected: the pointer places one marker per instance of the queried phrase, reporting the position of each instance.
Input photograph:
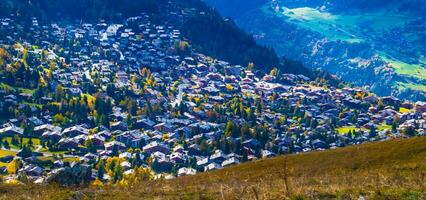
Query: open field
(412, 86)
(349, 28)
(385, 170)
(407, 69)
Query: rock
(76, 174)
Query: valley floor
(385, 170)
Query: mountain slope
(375, 44)
(384, 170)
(203, 26)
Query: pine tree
(101, 170)
(6, 144)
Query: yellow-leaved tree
(13, 166)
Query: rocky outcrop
(76, 174)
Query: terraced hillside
(384, 170)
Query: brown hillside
(384, 170)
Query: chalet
(67, 143)
(120, 125)
(212, 166)
(164, 127)
(39, 130)
(75, 131)
(156, 146)
(267, 154)
(202, 162)
(53, 136)
(184, 171)
(218, 156)
(97, 141)
(420, 107)
(11, 131)
(177, 157)
(250, 143)
(115, 146)
(132, 138)
(389, 100)
(230, 161)
(145, 124)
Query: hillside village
(101, 102)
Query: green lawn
(25, 141)
(45, 150)
(413, 70)
(24, 90)
(346, 129)
(412, 86)
(46, 158)
(404, 110)
(348, 27)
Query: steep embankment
(384, 170)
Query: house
(145, 124)
(67, 143)
(267, 154)
(115, 145)
(125, 155)
(11, 130)
(53, 136)
(212, 166)
(156, 146)
(34, 121)
(193, 149)
(390, 100)
(202, 162)
(177, 157)
(218, 156)
(97, 141)
(164, 127)
(184, 171)
(39, 130)
(75, 131)
(420, 107)
(251, 143)
(32, 170)
(132, 138)
(230, 161)
(120, 125)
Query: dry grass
(386, 170)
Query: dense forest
(235, 8)
(87, 10)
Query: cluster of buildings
(210, 114)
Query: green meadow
(349, 28)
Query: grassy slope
(386, 170)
